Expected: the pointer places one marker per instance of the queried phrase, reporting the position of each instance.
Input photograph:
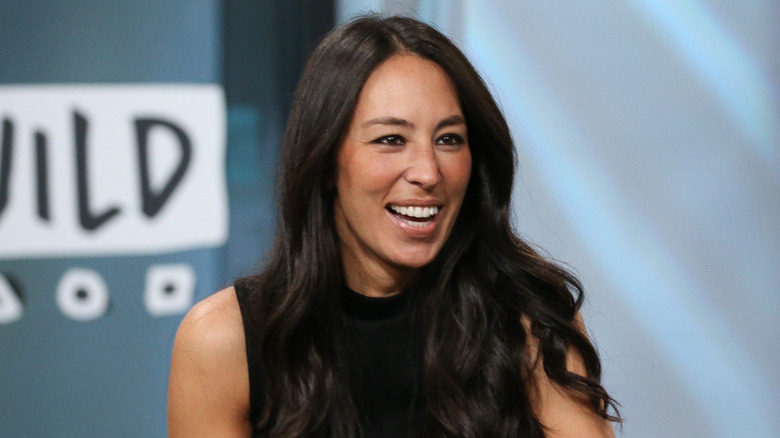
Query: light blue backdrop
(648, 137)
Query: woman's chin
(415, 260)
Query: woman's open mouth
(413, 215)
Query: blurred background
(648, 138)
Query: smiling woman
(397, 300)
(402, 172)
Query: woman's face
(403, 169)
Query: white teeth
(419, 212)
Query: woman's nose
(423, 167)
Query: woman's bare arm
(208, 391)
(564, 413)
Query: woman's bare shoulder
(209, 384)
(213, 326)
(219, 311)
(563, 412)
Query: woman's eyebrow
(457, 119)
(394, 121)
(453, 120)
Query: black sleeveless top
(382, 367)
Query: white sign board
(111, 169)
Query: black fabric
(252, 357)
(382, 363)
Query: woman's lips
(415, 221)
(414, 212)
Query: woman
(396, 300)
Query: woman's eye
(395, 140)
(450, 139)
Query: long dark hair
(473, 298)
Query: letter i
(42, 175)
(6, 153)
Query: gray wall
(107, 377)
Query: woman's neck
(376, 280)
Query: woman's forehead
(401, 87)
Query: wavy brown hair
(469, 304)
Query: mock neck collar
(359, 306)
